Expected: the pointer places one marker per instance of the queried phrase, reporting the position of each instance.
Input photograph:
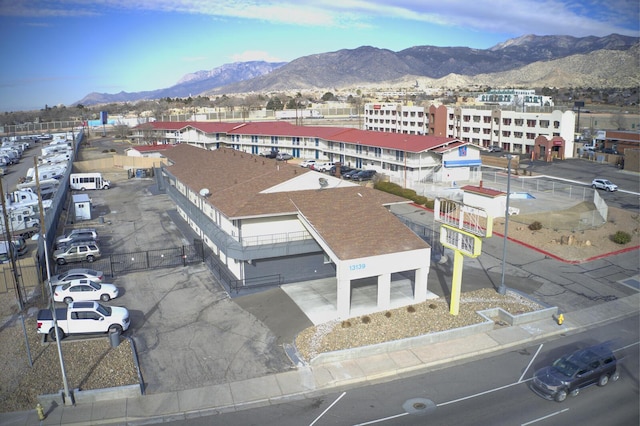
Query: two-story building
(269, 222)
(405, 159)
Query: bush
(366, 319)
(345, 324)
(387, 314)
(535, 226)
(411, 309)
(410, 194)
(621, 237)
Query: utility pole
(67, 396)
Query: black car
(595, 365)
(343, 170)
(364, 175)
(351, 173)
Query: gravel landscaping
(410, 321)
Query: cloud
(255, 55)
(572, 17)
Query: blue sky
(57, 51)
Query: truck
(23, 222)
(83, 318)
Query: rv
(84, 181)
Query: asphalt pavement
(202, 352)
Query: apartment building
(522, 98)
(514, 131)
(395, 118)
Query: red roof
(488, 192)
(401, 141)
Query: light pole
(503, 289)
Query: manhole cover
(419, 406)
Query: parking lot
(187, 331)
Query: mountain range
(532, 61)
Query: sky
(55, 52)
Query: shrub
(432, 305)
(410, 194)
(366, 319)
(387, 314)
(411, 309)
(345, 324)
(535, 226)
(621, 237)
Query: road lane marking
(544, 418)
(327, 409)
(530, 362)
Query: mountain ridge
(367, 65)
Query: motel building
(409, 160)
(270, 222)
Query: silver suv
(77, 252)
(78, 234)
(604, 184)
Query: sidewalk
(309, 381)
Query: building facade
(395, 118)
(519, 98)
(513, 131)
(269, 223)
(408, 160)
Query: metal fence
(135, 261)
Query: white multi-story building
(513, 131)
(395, 118)
(521, 98)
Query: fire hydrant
(40, 412)
(560, 319)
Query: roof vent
(204, 192)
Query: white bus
(84, 181)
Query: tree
(275, 104)
(328, 97)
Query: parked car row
(345, 171)
(82, 289)
(78, 245)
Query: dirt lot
(576, 245)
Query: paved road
(488, 391)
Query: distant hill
(191, 84)
(535, 61)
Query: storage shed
(82, 206)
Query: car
(343, 170)
(307, 163)
(364, 175)
(84, 290)
(76, 274)
(495, 148)
(77, 252)
(351, 173)
(609, 151)
(324, 167)
(283, 156)
(78, 233)
(269, 154)
(78, 238)
(604, 184)
(595, 365)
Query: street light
(503, 289)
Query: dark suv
(582, 368)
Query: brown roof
(352, 220)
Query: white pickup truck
(83, 318)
